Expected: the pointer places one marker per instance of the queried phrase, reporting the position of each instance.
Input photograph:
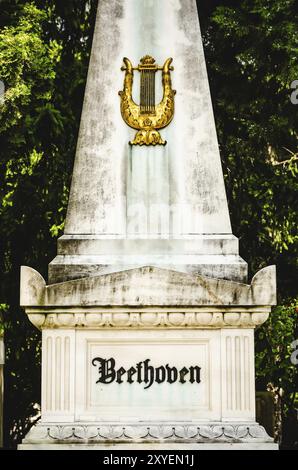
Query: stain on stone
(119, 10)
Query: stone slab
(89, 255)
(158, 435)
(132, 447)
(148, 286)
(193, 180)
(189, 245)
(70, 267)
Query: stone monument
(147, 318)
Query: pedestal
(147, 321)
(148, 359)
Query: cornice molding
(148, 320)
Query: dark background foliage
(251, 51)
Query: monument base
(148, 436)
(136, 447)
(215, 256)
(148, 359)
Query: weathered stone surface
(70, 245)
(209, 255)
(130, 28)
(134, 446)
(147, 286)
(135, 206)
(193, 432)
(67, 268)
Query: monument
(148, 318)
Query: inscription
(144, 373)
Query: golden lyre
(148, 117)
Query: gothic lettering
(144, 373)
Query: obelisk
(147, 319)
(132, 206)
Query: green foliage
(3, 308)
(27, 67)
(276, 336)
(275, 370)
(251, 50)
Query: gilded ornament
(147, 118)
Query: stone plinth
(202, 328)
(209, 255)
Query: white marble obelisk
(135, 206)
(147, 321)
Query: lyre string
(147, 92)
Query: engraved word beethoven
(144, 373)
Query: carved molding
(145, 320)
(192, 433)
